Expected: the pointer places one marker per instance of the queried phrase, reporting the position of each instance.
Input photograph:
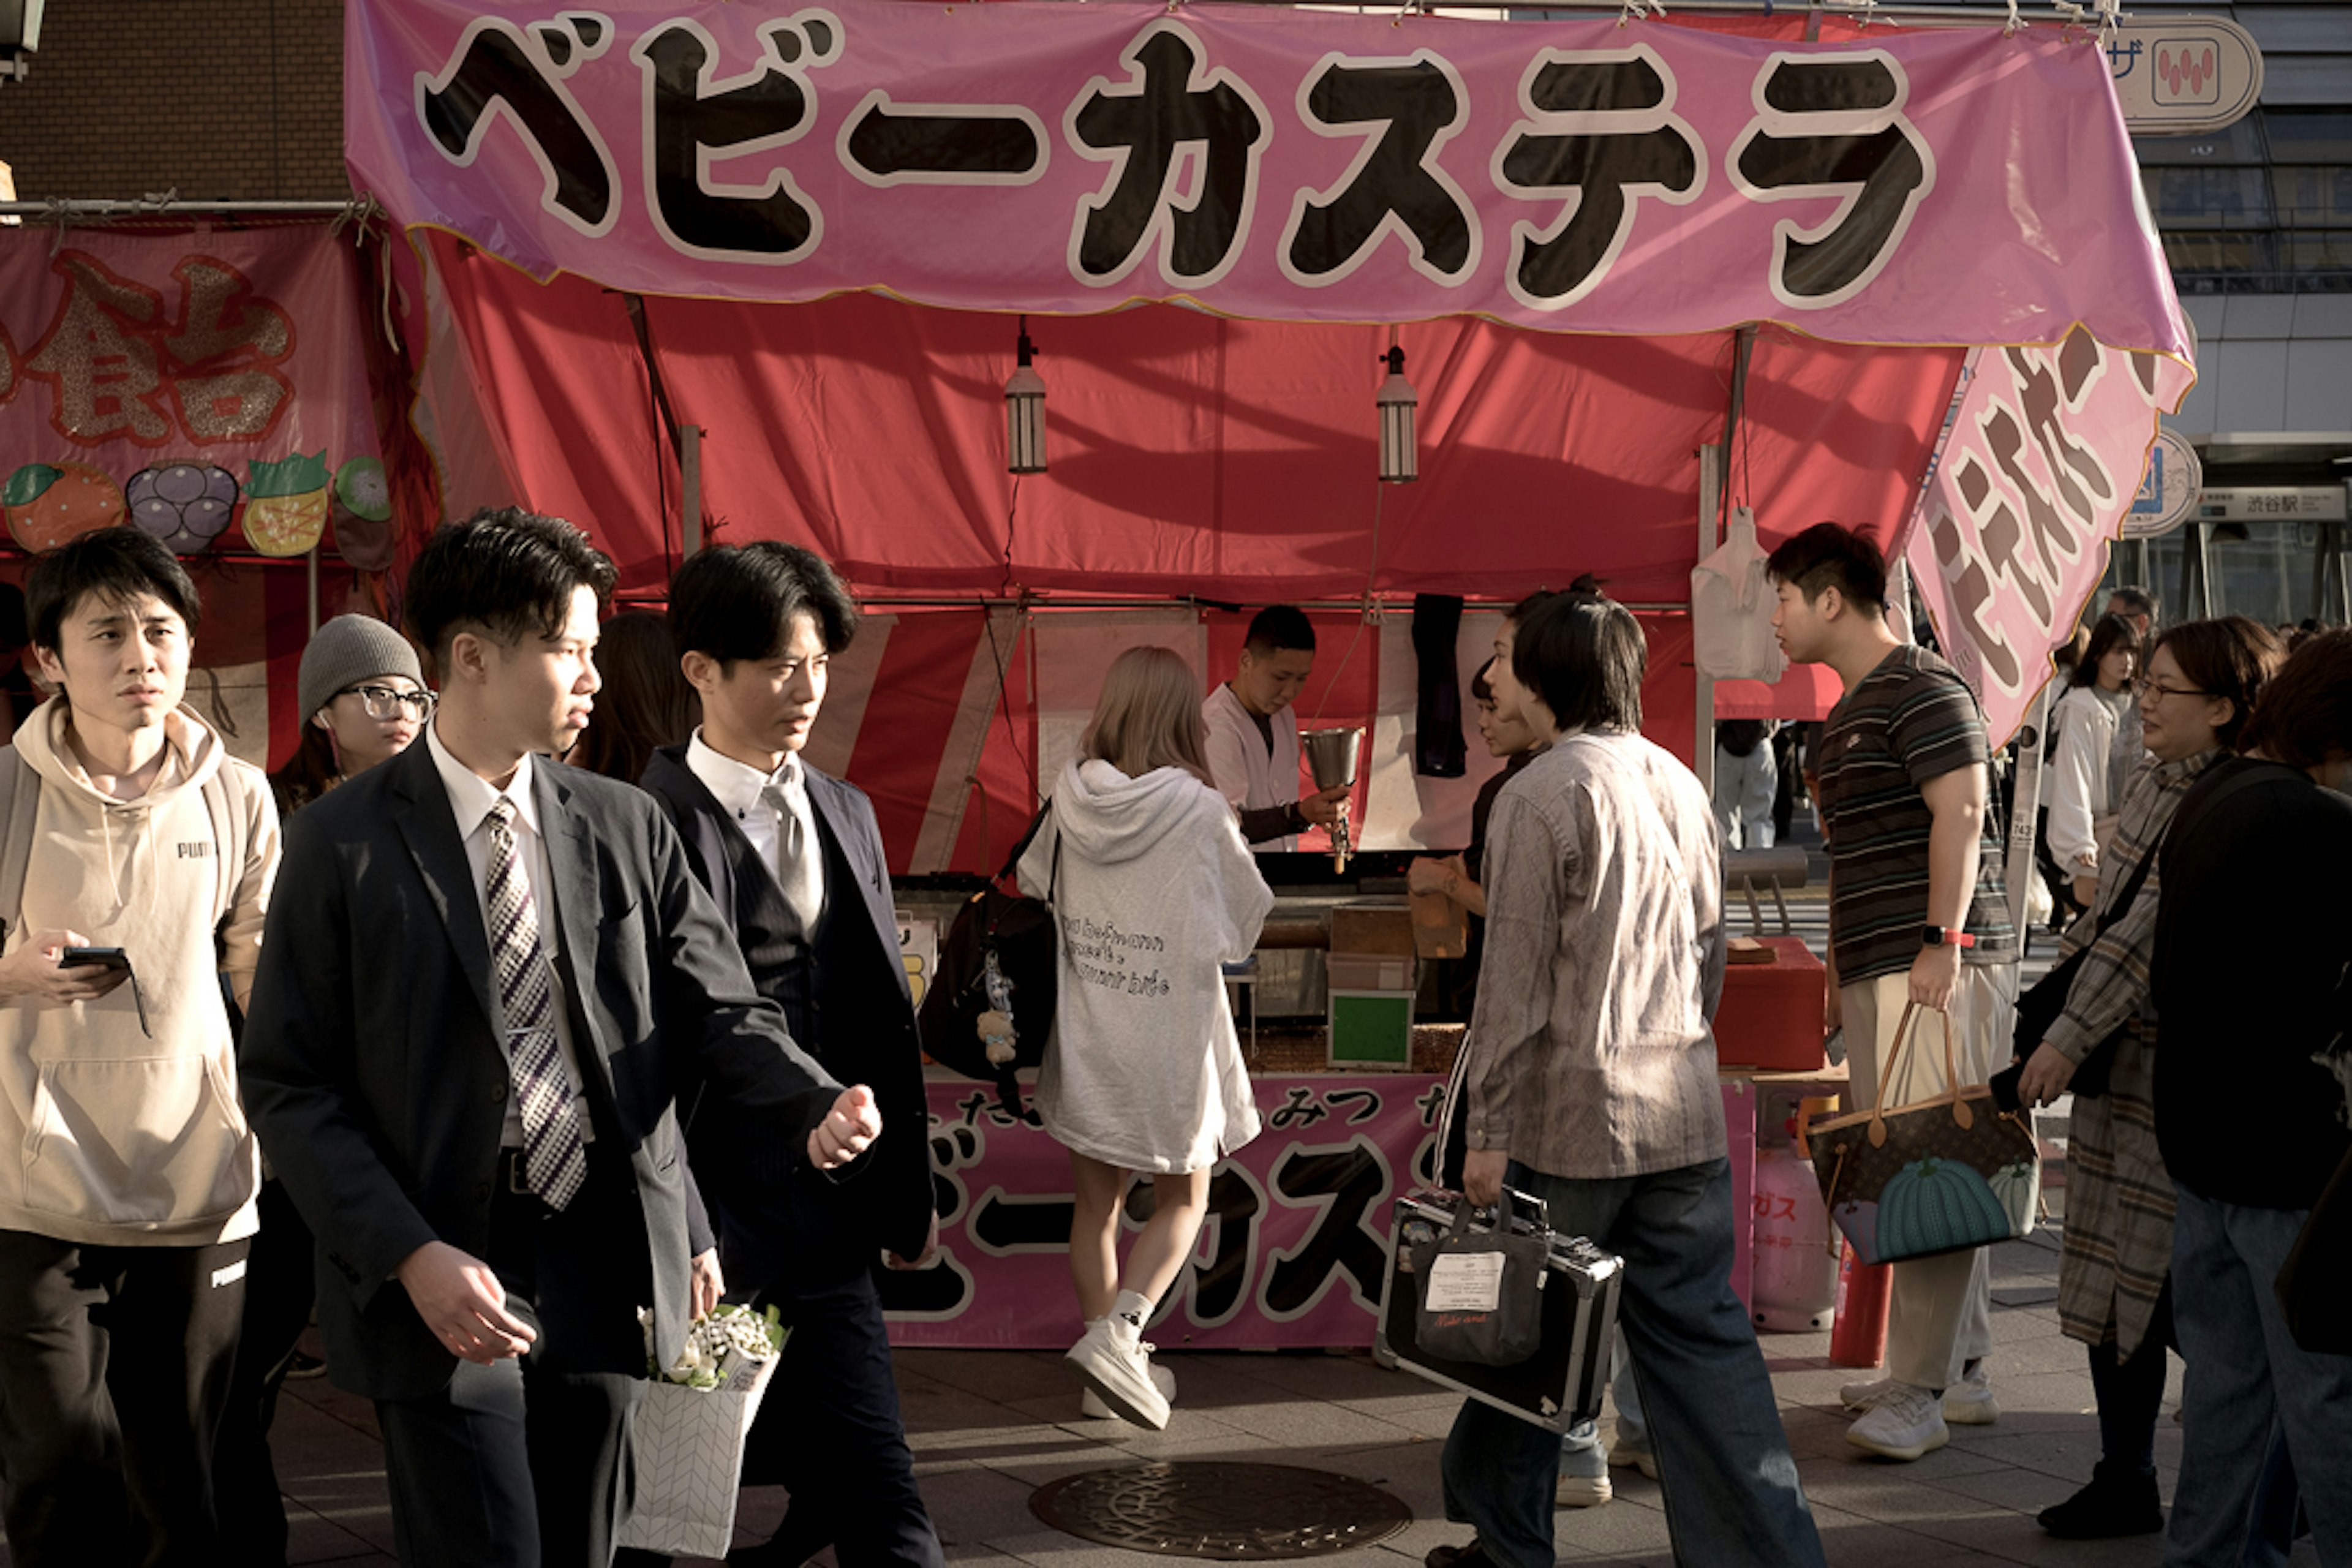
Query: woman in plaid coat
(2200, 685)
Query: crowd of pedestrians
(444, 1036)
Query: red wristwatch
(1946, 936)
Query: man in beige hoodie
(123, 1224)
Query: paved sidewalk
(990, 1426)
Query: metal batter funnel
(1331, 759)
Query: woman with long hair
(1153, 890)
(645, 703)
(2086, 775)
(2202, 684)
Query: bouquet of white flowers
(690, 1429)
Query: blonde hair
(1148, 716)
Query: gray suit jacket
(374, 1075)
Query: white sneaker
(1859, 1396)
(1113, 1361)
(1969, 1402)
(1091, 1406)
(1904, 1424)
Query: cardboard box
(1373, 925)
(1771, 1013)
(1369, 971)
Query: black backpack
(998, 966)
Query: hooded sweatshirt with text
(1155, 889)
(125, 1135)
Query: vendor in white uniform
(1254, 734)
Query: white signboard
(2276, 503)
(2183, 76)
(2167, 489)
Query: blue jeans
(1731, 1492)
(2250, 1388)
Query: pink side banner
(2044, 456)
(1934, 187)
(1292, 1254)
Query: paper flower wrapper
(689, 1432)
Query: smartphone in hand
(104, 957)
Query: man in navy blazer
(794, 860)
(483, 979)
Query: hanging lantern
(1025, 413)
(1399, 462)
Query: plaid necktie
(555, 1159)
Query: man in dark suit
(794, 861)
(482, 980)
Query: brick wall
(224, 99)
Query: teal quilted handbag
(1946, 1174)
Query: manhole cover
(1225, 1511)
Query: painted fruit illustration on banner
(187, 505)
(286, 503)
(49, 504)
(363, 513)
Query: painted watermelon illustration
(187, 505)
(49, 504)
(286, 503)
(1859, 1221)
(363, 514)
(1938, 1205)
(2018, 1185)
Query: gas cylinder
(1796, 1270)
(1858, 1335)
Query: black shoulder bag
(2039, 1009)
(998, 975)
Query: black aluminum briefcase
(1564, 1381)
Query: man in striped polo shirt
(1916, 915)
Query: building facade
(2257, 222)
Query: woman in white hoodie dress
(1154, 889)
(2087, 774)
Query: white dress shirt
(1249, 771)
(741, 790)
(471, 797)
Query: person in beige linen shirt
(1592, 1086)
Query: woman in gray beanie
(362, 700)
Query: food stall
(684, 273)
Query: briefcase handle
(1905, 1033)
(1537, 1209)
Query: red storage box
(1771, 1014)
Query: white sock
(1134, 1306)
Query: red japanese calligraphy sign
(210, 387)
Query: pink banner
(1295, 1242)
(1947, 185)
(188, 382)
(2043, 457)
(1292, 1253)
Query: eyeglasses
(2148, 686)
(383, 702)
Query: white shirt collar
(471, 795)
(737, 785)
